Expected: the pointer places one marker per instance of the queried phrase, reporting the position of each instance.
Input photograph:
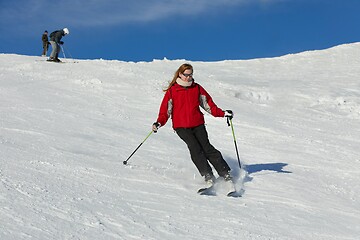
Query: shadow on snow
(247, 170)
(275, 167)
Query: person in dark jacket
(55, 41)
(45, 41)
(182, 101)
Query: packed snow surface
(65, 130)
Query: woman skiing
(181, 102)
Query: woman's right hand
(229, 114)
(156, 126)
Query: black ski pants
(201, 151)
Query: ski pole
(68, 52)
(236, 148)
(62, 49)
(125, 162)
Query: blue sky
(196, 30)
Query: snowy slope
(66, 128)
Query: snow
(65, 130)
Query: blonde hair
(181, 69)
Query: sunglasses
(187, 75)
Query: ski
(56, 62)
(234, 194)
(212, 190)
(208, 191)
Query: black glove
(156, 126)
(61, 42)
(229, 114)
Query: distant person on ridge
(55, 41)
(45, 41)
(181, 102)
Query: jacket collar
(184, 83)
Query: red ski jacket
(182, 105)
